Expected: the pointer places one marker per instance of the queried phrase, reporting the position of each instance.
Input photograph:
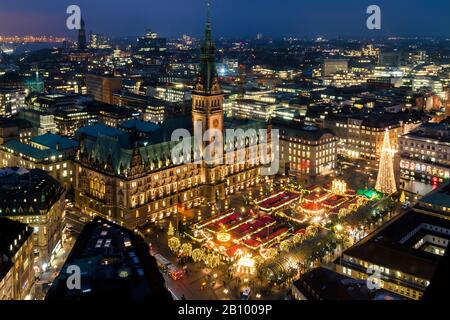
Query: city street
(46, 278)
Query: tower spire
(82, 35)
(208, 73)
(208, 14)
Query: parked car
(246, 294)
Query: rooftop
(432, 131)
(437, 199)
(27, 192)
(11, 122)
(115, 264)
(325, 284)
(393, 247)
(139, 125)
(55, 141)
(31, 152)
(11, 231)
(299, 130)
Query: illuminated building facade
(16, 260)
(41, 207)
(251, 109)
(42, 122)
(14, 129)
(11, 101)
(153, 110)
(362, 137)
(307, 152)
(102, 87)
(332, 66)
(405, 253)
(131, 180)
(49, 152)
(425, 153)
(69, 120)
(175, 93)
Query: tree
(171, 230)
(186, 249)
(174, 244)
(197, 255)
(402, 198)
(271, 253)
(212, 260)
(286, 245)
(311, 231)
(297, 239)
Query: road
(45, 279)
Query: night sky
(232, 18)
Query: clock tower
(207, 117)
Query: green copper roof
(30, 151)
(52, 141)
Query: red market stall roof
(278, 200)
(312, 207)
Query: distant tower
(82, 36)
(207, 112)
(386, 178)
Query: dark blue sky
(240, 18)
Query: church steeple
(82, 36)
(207, 78)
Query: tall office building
(11, 101)
(102, 87)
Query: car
(246, 294)
(174, 272)
(406, 205)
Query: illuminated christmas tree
(402, 198)
(171, 230)
(386, 178)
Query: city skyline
(144, 169)
(294, 18)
